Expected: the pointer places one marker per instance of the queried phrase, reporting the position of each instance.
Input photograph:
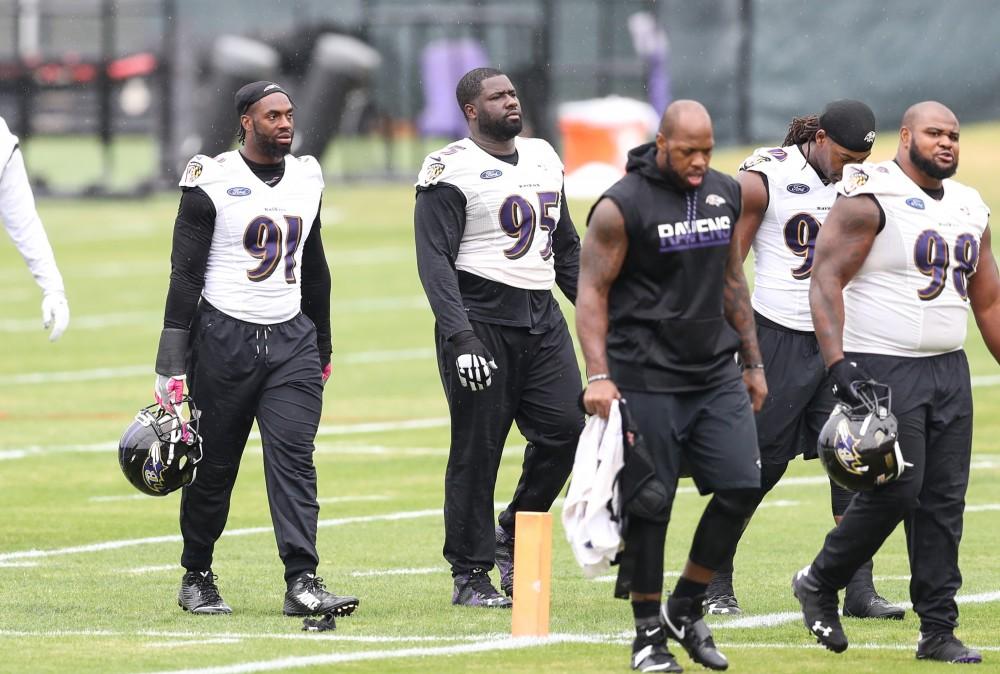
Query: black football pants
(237, 372)
(537, 386)
(932, 401)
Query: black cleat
(946, 647)
(199, 594)
(504, 558)
(682, 619)
(819, 611)
(649, 651)
(308, 596)
(475, 589)
(872, 606)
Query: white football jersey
(254, 262)
(910, 296)
(511, 212)
(783, 247)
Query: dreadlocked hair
(801, 130)
(241, 135)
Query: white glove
(474, 371)
(55, 314)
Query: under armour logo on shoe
(818, 629)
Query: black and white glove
(475, 363)
(845, 375)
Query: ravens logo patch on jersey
(754, 161)
(856, 180)
(192, 171)
(433, 171)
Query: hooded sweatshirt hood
(642, 160)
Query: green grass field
(88, 567)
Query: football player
(663, 309)
(787, 192)
(247, 328)
(902, 256)
(17, 208)
(493, 234)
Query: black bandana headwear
(849, 123)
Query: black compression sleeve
(439, 222)
(193, 230)
(316, 290)
(566, 248)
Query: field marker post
(532, 574)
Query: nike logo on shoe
(678, 633)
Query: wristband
(753, 366)
(597, 377)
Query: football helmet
(159, 453)
(858, 445)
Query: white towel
(591, 514)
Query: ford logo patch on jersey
(490, 174)
(915, 202)
(238, 191)
(798, 188)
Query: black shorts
(712, 431)
(799, 398)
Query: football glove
(844, 376)
(169, 392)
(327, 371)
(475, 363)
(55, 314)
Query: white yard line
(151, 319)
(139, 570)
(330, 429)
(298, 662)
(985, 507)
(125, 372)
(351, 499)
(772, 619)
(193, 642)
(399, 572)
(176, 538)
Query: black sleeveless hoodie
(667, 330)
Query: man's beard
(269, 145)
(929, 167)
(500, 128)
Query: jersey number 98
(930, 255)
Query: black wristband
(171, 356)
